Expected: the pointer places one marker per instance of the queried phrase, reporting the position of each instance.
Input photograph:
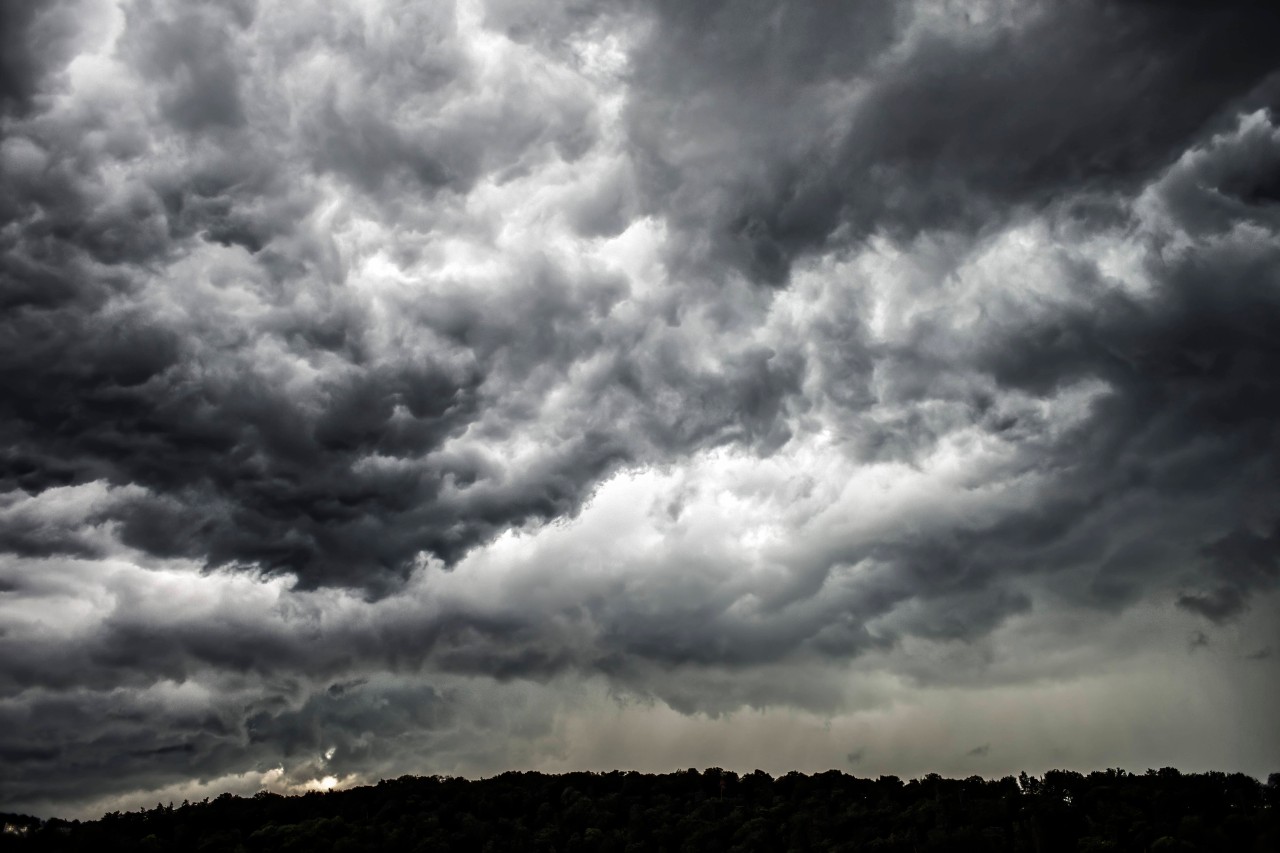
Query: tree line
(708, 810)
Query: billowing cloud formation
(395, 387)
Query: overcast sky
(410, 387)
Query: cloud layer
(414, 387)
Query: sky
(449, 388)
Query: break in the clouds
(428, 387)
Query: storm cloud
(395, 387)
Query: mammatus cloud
(413, 387)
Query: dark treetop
(706, 811)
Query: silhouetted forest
(712, 810)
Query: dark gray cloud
(831, 122)
(35, 38)
(111, 374)
(366, 368)
(173, 734)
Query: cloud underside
(393, 382)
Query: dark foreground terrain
(705, 811)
